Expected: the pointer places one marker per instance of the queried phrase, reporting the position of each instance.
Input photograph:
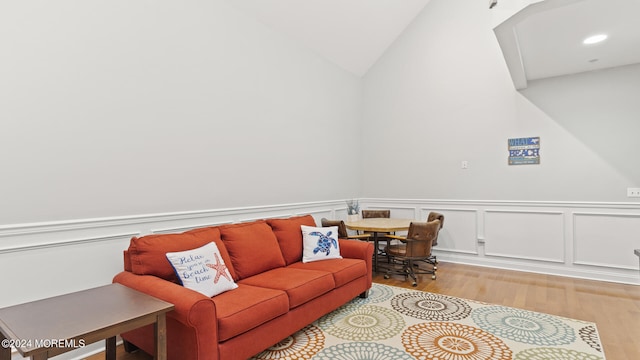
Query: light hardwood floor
(615, 308)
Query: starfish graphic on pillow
(220, 268)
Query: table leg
(110, 351)
(5, 351)
(375, 251)
(40, 356)
(161, 337)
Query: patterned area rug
(397, 323)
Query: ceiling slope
(353, 34)
(544, 39)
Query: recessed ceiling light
(594, 39)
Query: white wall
(599, 108)
(120, 118)
(118, 108)
(442, 94)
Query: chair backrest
(420, 238)
(436, 216)
(342, 228)
(367, 214)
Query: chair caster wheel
(435, 268)
(433, 277)
(414, 284)
(386, 276)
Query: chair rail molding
(590, 240)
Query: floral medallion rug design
(397, 323)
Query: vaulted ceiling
(543, 39)
(350, 33)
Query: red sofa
(277, 294)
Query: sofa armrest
(191, 308)
(355, 249)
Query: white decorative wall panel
(40, 270)
(578, 239)
(606, 240)
(459, 233)
(532, 235)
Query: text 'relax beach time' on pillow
(319, 243)
(202, 269)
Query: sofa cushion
(202, 270)
(301, 285)
(213, 234)
(247, 307)
(320, 243)
(147, 253)
(289, 235)
(253, 248)
(343, 270)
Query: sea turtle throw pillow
(320, 243)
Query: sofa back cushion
(253, 248)
(148, 253)
(289, 235)
(212, 234)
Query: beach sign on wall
(524, 151)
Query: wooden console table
(49, 327)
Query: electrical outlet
(464, 164)
(633, 192)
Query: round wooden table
(379, 225)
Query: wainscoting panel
(41, 270)
(606, 239)
(578, 239)
(530, 235)
(460, 231)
